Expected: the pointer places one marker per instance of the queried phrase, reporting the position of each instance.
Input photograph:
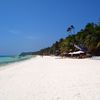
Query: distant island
(86, 40)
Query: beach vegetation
(87, 38)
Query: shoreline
(14, 61)
(51, 78)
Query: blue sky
(29, 25)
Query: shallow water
(10, 59)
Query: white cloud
(15, 32)
(23, 35)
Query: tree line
(87, 38)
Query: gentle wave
(10, 59)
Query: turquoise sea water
(10, 59)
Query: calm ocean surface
(10, 59)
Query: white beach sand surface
(51, 78)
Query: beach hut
(79, 54)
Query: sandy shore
(51, 78)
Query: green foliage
(88, 38)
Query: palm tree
(71, 29)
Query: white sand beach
(51, 78)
